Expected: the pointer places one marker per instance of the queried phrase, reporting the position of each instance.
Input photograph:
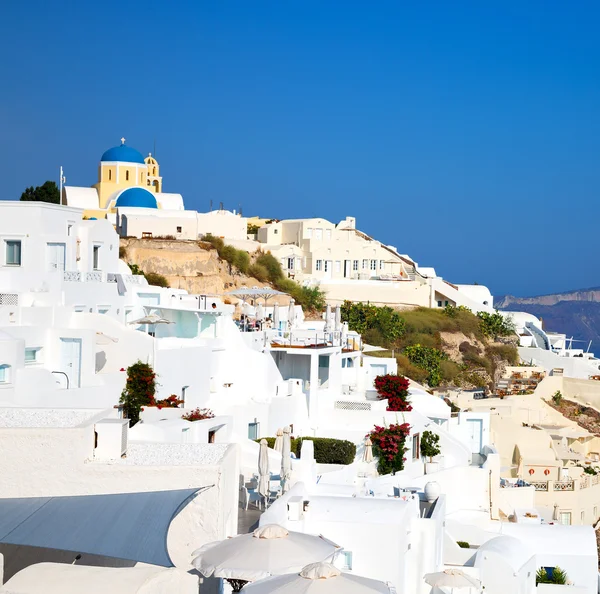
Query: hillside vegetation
(449, 347)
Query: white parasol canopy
(260, 312)
(248, 310)
(286, 462)
(269, 550)
(278, 446)
(368, 453)
(452, 578)
(152, 319)
(318, 578)
(291, 314)
(263, 469)
(338, 318)
(276, 316)
(327, 328)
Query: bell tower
(153, 178)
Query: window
(373, 264)
(253, 430)
(565, 518)
(346, 560)
(69, 229)
(439, 304)
(178, 229)
(142, 177)
(109, 175)
(79, 308)
(324, 361)
(347, 363)
(365, 264)
(327, 265)
(328, 234)
(127, 175)
(309, 233)
(103, 309)
(96, 259)
(338, 265)
(13, 252)
(4, 374)
(355, 265)
(319, 265)
(318, 233)
(416, 446)
(290, 263)
(31, 355)
(276, 231)
(381, 264)
(446, 303)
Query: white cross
(122, 140)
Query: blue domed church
(126, 180)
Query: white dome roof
(509, 548)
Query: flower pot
(431, 467)
(432, 491)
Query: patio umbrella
(344, 334)
(338, 319)
(263, 469)
(368, 453)
(451, 578)
(152, 319)
(248, 310)
(327, 328)
(269, 550)
(276, 316)
(286, 462)
(260, 312)
(291, 314)
(278, 447)
(556, 513)
(318, 578)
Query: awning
(130, 526)
(245, 293)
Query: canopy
(318, 578)
(245, 293)
(269, 550)
(130, 526)
(451, 578)
(60, 578)
(152, 319)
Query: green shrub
(382, 325)
(272, 265)
(260, 273)
(429, 359)
(495, 324)
(558, 576)
(506, 352)
(158, 280)
(557, 397)
(449, 371)
(242, 261)
(430, 445)
(463, 544)
(407, 369)
(327, 449)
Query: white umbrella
(318, 578)
(263, 469)
(291, 314)
(260, 312)
(278, 447)
(338, 318)
(248, 310)
(102, 338)
(286, 463)
(276, 316)
(344, 334)
(269, 550)
(368, 453)
(451, 578)
(556, 513)
(327, 328)
(152, 319)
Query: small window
(178, 229)
(365, 264)
(446, 303)
(79, 308)
(355, 265)
(416, 447)
(148, 182)
(350, 363)
(69, 229)
(319, 234)
(290, 263)
(275, 231)
(346, 560)
(338, 265)
(381, 264)
(154, 171)
(373, 264)
(4, 374)
(328, 234)
(253, 430)
(13, 253)
(127, 175)
(309, 233)
(439, 304)
(96, 258)
(109, 175)
(319, 265)
(565, 518)
(324, 361)
(31, 355)
(103, 309)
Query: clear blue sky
(464, 133)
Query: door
(328, 267)
(56, 256)
(347, 268)
(70, 360)
(474, 434)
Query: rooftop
(174, 454)
(44, 417)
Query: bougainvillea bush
(171, 402)
(139, 390)
(198, 414)
(394, 388)
(389, 447)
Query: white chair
(249, 496)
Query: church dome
(137, 198)
(123, 153)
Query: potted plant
(430, 447)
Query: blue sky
(464, 133)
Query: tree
(47, 192)
(430, 445)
